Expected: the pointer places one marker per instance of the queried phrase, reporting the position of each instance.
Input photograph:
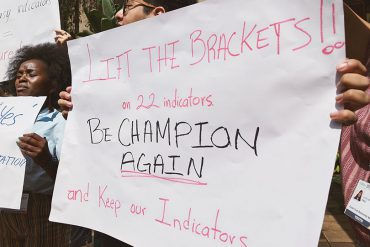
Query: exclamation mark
(322, 20)
(338, 45)
(333, 16)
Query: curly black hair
(58, 66)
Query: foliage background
(73, 18)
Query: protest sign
(25, 22)
(206, 126)
(17, 117)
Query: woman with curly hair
(41, 70)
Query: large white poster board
(17, 115)
(207, 126)
(25, 22)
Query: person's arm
(352, 88)
(65, 101)
(36, 147)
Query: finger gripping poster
(206, 126)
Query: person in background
(358, 196)
(41, 70)
(355, 137)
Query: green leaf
(108, 23)
(99, 4)
(108, 8)
(94, 18)
(102, 18)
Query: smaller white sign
(17, 115)
(25, 22)
(358, 207)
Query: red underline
(134, 174)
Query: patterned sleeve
(355, 161)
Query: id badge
(358, 207)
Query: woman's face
(32, 79)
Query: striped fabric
(355, 161)
(33, 229)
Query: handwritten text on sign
(191, 130)
(211, 47)
(17, 115)
(23, 23)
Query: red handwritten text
(192, 225)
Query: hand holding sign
(16, 120)
(65, 101)
(61, 36)
(36, 147)
(353, 88)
